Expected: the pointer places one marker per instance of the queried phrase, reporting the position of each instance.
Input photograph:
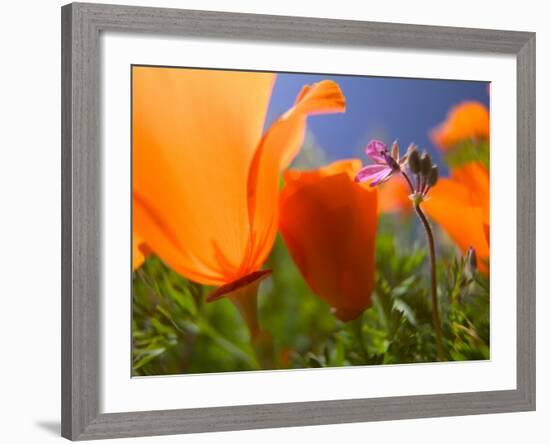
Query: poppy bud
(414, 161)
(434, 175)
(425, 164)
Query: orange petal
(195, 133)
(476, 178)
(460, 205)
(278, 148)
(328, 222)
(296, 179)
(466, 121)
(166, 241)
(393, 196)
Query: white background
(30, 222)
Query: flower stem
(406, 176)
(435, 304)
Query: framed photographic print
(277, 221)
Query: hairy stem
(433, 276)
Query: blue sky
(378, 107)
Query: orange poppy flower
(328, 222)
(205, 179)
(461, 206)
(466, 121)
(393, 196)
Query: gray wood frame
(81, 231)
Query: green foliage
(175, 331)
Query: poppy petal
(393, 196)
(329, 226)
(466, 121)
(295, 179)
(459, 211)
(195, 133)
(476, 178)
(277, 149)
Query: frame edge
(66, 222)
(526, 221)
(80, 203)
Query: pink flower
(385, 164)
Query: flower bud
(433, 176)
(411, 147)
(425, 164)
(414, 161)
(395, 150)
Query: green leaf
(152, 354)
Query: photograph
(285, 221)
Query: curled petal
(375, 150)
(277, 149)
(370, 172)
(319, 98)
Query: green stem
(207, 329)
(433, 276)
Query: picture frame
(81, 205)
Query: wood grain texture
(66, 223)
(80, 222)
(81, 231)
(526, 221)
(119, 425)
(258, 27)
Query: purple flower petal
(375, 150)
(381, 177)
(369, 172)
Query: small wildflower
(385, 164)
(426, 173)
